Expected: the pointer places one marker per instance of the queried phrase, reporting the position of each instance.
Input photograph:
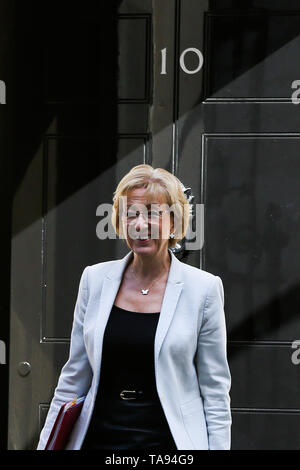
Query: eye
(131, 214)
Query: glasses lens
(152, 215)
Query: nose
(141, 223)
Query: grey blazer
(192, 375)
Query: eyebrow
(147, 205)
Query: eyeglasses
(152, 216)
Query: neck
(150, 267)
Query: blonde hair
(157, 181)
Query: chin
(152, 249)
(144, 249)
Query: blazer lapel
(170, 300)
(111, 284)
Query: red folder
(64, 423)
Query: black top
(128, 364)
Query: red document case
(64, 423)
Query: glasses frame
(149, 220)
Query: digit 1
(163, 61)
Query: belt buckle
(127, 398)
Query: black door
(97, 104)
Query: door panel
(250, 170)
(233, 136)
(90, 88)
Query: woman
(148, 343)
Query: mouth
(144, 240)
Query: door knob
(24, 368)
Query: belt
(131, 394)
(147, 393)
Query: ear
(172, 223)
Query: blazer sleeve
(76, 375)
(212, 368)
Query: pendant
(144, 291)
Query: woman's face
(148, 220)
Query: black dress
(128, 364)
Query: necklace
(145, 291)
